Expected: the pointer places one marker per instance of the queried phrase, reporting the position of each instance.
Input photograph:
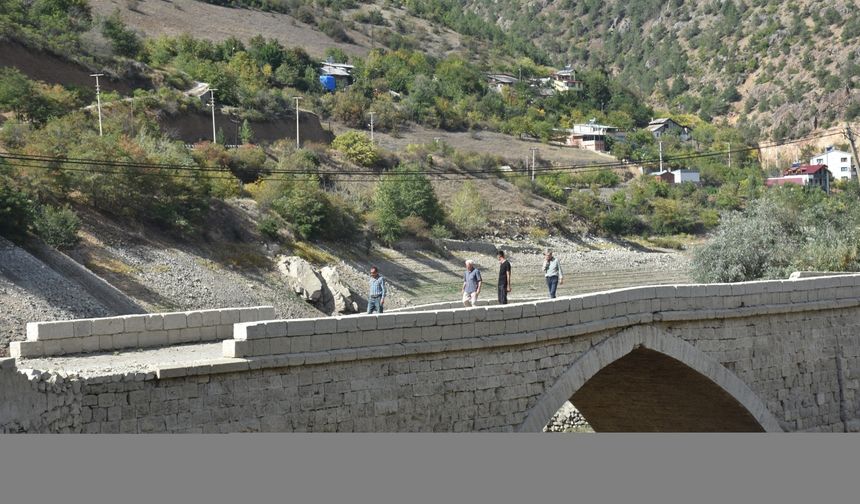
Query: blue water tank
(327, 82)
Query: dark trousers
(503, 294)
(552, 284)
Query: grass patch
(242, 256)
(313, 254)
(109, 265)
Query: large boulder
(302, 277)
(338, 295)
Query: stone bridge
(759, 356)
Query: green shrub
(269, 227)
(357, 148)
(58, 227)
(304, 206)
(470, 212)
(620, 221)
(16, 207)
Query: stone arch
(590, 375)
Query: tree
(125, 41)
(405, 192)
(246, 133)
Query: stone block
(320, 342)
(71, 346)
(444, 318)
(431, 333)
(125, 340)
(280, 345)
(224, 331)
(325, 326)
(300, 344)
(174, 337)
(249, 314)
(276, 329)
(410, 335)
(114, 325)
(189, 335)
(366, 322)
(301, 327)
(211, 317)
(355, 339)
(134, 323)
(233, 348)
(403, 320)
(90, 344)
(26, 349)
(55, 330)
(512, 312)
(209, 333)
(246, 331)
(261, 347)
(175, 321)
(375, 338)
(229, 316)
(194, 318)
(266, 313)
(82, 328)
(154, 322)
(386, 321)
(32, 331)
(105, 343)
(346, 324)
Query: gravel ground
(31, 291)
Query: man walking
(376, 298)
(471, 284)
(504, 277)
(552, 272)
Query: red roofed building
(805, 175)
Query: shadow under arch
(643, 380)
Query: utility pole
(533, 149)
(371, 128)
(98, 100)
(212, 103)
(850, 135)
(660, 144)
(730, 155)
(297, 98)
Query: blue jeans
(374, 304)
(552, 283)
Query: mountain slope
(786, 67)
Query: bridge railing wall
(580, 314)
(49, 339)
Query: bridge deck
(144, 361)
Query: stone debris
(323, 288)
(302, 277)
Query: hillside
(779, 69)
(785, 67)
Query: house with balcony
(840, 163)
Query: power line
(577, 168)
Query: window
(844, 168)
(819, 160)
(843, 160)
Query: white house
(660, 127)
(682, 176)
(839, 163)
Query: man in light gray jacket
(552, 272)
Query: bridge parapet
(531, 321)
(106, 334)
